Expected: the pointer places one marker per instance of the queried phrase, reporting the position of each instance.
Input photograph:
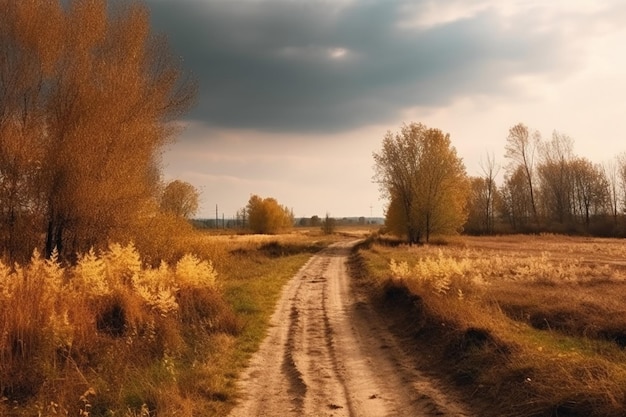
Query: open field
(526, 325)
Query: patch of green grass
(252, 281)
(254, 293)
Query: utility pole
(217, 225)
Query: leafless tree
(520, 149)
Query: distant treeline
(548, 188)
(237, 222)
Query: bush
(109, 315)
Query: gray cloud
(268, 64)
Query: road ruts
(328, 354)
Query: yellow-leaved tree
(425, 181)
(180, 199)
(266, 216)
(88, 95)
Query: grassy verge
(521, 332)
(253, 280)
(115, 336)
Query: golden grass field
(525, 325)
(117, 335)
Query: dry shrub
(205, 308)
(29, 326)
(107, 322)
(162, 237)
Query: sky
(295, 95)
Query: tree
(328, 225)
(420, 173)
(180, 199)
(620, 184)
(266, 216)
(591, 190)
(611, 172)
(488, 195)
(90, 93)
(516, 205)
(520, 149)
(315, 221)
(555, 177)
(481, 206)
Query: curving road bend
(328, 354)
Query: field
(520, 325)
(524, 325)
(118, 336)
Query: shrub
(105, 313)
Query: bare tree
(611, 173)
(555, 176)
(591, 189)
(621, 178)
(329, 224)
(490, 171)
(477, 208)
(516, 203)
(520, 149)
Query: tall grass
(93, 327)
(122, 334)
(528, 327)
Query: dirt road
(328, 354)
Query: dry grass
(120, 334)
(531, 326)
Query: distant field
(531, 325)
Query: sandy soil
(328, 354)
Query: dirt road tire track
(328, 354)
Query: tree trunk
(54, 237)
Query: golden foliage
(419, 171)
(180, 199)
(88, 94)
(51, 315)
(267, 216)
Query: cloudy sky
(295, 95)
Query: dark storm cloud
(268, 65)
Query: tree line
(546, 187)
(89, 96)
